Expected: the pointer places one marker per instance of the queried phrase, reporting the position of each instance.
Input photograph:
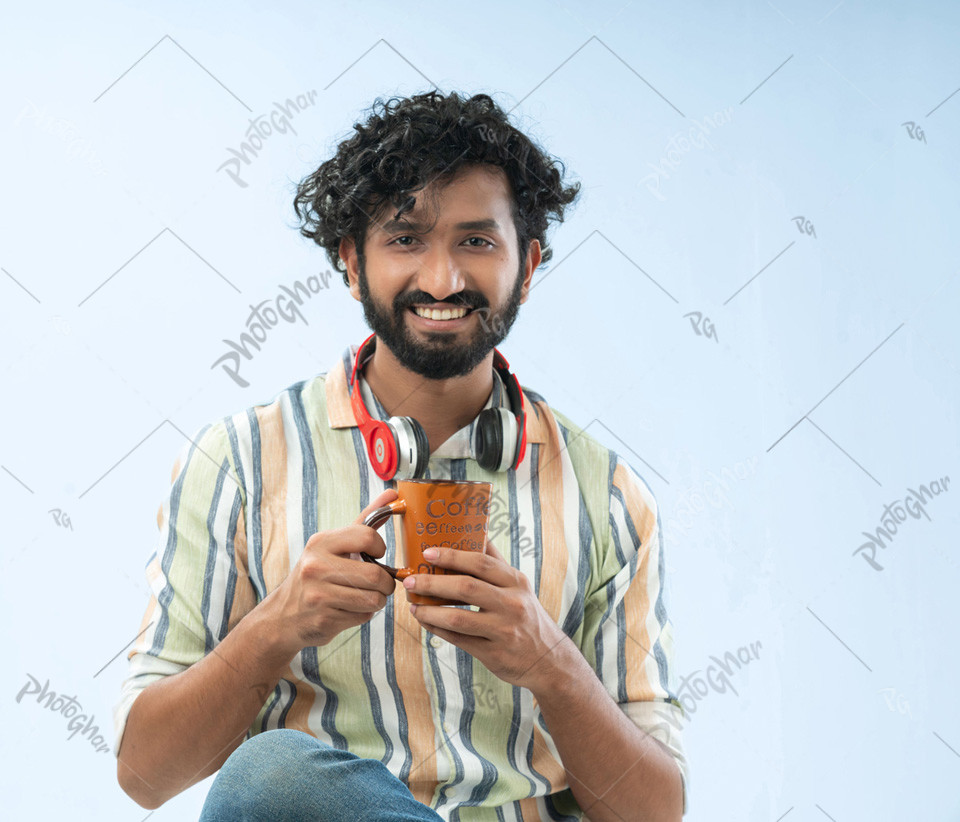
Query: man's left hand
(511, 634)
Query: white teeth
(436, 314)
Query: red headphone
(398, 447)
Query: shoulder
(306, 397)
(591, 460)
(260, 427)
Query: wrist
(270, 638)
(558, 671)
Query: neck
(442, 407)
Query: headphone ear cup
(423, 449)
(493, 446)
(511, 438)
(413, 449)
(383, 448)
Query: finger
(459, 587)
(360, 546)
(347, 572)
(441, 619)
(354, 600)
(349, 539)
(493, 551)
(476, 563)
(384, 498)
(345, 620)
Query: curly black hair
(409, 142)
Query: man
(534, 704)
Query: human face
(454, 252)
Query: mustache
(462, 299)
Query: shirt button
(434, 642)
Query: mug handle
(375, 520)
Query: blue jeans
(284, 774)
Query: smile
(440, 314)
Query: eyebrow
(488, 224)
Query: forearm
(616, 771)
(182, 728)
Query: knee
(290, 775)
(266, 755)
(260, 773)
(280, 743)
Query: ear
(533, 260)
(348, 253)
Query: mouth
(440, 314)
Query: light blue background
(830, 390)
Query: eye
(402, 237)
(482, 240)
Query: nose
(439, 274)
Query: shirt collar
(340, 414)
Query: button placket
(438, 644)
(453, 688)
(431, 661)
(449, 722)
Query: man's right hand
(182, 728)
(328, 591)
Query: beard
(439, 357)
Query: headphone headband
(515, 397)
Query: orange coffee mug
(436, 514)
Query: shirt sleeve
(628, 637)
(197, 575)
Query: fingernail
(413, 609)
(431, 553)
(409, 582)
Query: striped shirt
(249, 491)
